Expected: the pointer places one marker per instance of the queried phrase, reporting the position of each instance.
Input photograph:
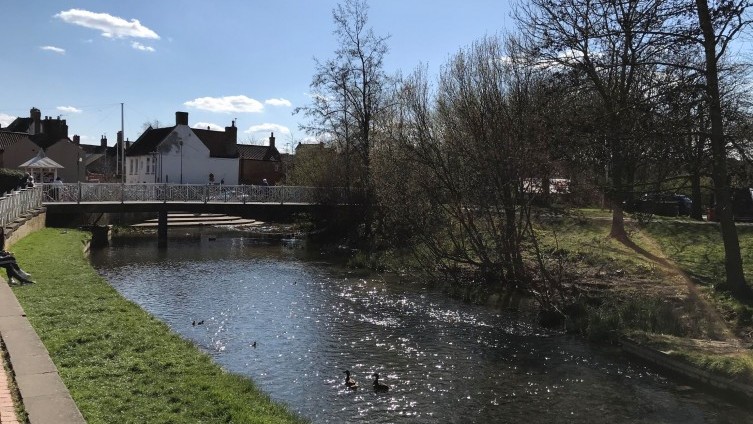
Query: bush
(11, 179)
(611, 317)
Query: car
(664, 204)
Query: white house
(183, 155)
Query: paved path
(45, 398)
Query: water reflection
(444, 361)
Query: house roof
(8, 138)
(19, 125)
(148, 141)
(255, 152)
(216, 142)
(45, 140)
(40, 161)
(91, 149)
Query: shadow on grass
(630, 244)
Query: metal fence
(186, 193)
(16, 203)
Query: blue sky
(245, 60)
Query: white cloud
(278, 102)
(267, 128)
(227, 104)
(212, 126)
(5, 120)
(53, 49)
(110, 26)
(138, 46)
(69, 109)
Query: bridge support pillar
(162, 229)
(100, 235)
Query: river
(293, 321)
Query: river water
(445, 361)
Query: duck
(200, 322)
(253, 344)
(379, 387)
(349, 382)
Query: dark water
(445, 361)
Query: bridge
(262, 202)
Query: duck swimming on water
(349, 382)
(379, 387)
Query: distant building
(258, 163)
(23, 139)
(183, 155)
(101, 161)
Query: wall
(14, 233)
(19, 153)
(66, 154)
(253, 171)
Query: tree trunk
(733, 262)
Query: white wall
(189, 160)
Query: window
(148, 165)
(130, 166)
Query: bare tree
(471, 150)
(611, 50)
(349, 93)
(719, 26)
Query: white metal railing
(16, 203)
(187, 193)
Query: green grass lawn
(120, 364)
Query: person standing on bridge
(58, 190)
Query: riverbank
(119, 363)
(659, 288)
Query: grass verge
(120, 364)
(664, 289)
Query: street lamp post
(78, 173)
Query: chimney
(36, 120)
(272, 140)
(231, 133)
(76, 139)
(181, 118)
(103, 141)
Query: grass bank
(662, 288)
(120, 364)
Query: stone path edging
(45, 398)
(666, 362)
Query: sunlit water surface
(445, 361)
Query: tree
(468, 154)
(349, 93)
(611, 48)
(718, 27)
